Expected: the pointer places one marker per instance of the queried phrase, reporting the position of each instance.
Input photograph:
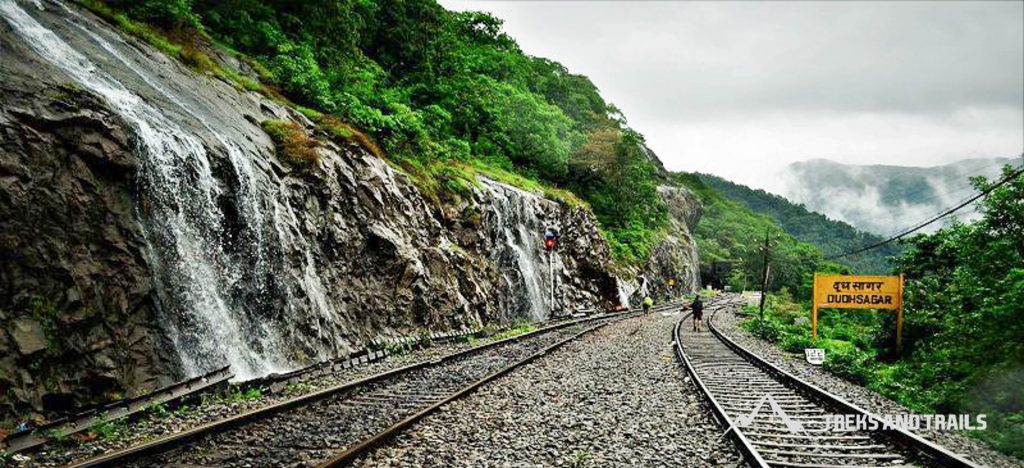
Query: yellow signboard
(859, 292)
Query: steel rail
(928, 451)
(352, 453)
(923, 450)
(27, 440)
(750, 454)
(172, 441)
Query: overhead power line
(946, 195)
(935, 218)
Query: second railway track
(790, 430)
(334, 426)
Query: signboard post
(899, 319)
(858, 292)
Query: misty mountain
(831, 236)
(885, 199)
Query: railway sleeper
(790, 464)
(818, 446)
(840, 455)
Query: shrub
(294, 146)
(795, 343)
(768, 329)
(847, 362)
(345, 132)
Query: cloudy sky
(742, 89)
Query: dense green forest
(445, 94)
(730, 231)
(832, 237)
(963, 336)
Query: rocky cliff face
(150, 230)
(673, 267)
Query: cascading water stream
(624, 293)
(253, 206)
(208, 275)
(514, 212)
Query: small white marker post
(815, 356)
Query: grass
(450, 180)
(110, 431)
(494, 332)
(298, 388)
(529, 185)
(135, 28)
(520, 328)
(395, 349)
(425, 339)
(187, 51)
(237, 395)
(159, 410)
(349, 134)
(579, 459)
(293, 144)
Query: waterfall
(624, 292)
(516, 226)
(217, 271)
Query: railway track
(776, 419)
(334, 426)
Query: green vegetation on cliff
(442, 92)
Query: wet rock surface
(75, 291)
(614, 398)
(974, 450)
(113, 284)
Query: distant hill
(730, 232)
(832, 237)
(883, 199)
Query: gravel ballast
(972, 449)
(616, 397)
(156, 424)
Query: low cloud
(888, 200)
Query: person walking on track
(698, 313)
(648, 302)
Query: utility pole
(764, 280)
(550, 245)
(551, 275)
